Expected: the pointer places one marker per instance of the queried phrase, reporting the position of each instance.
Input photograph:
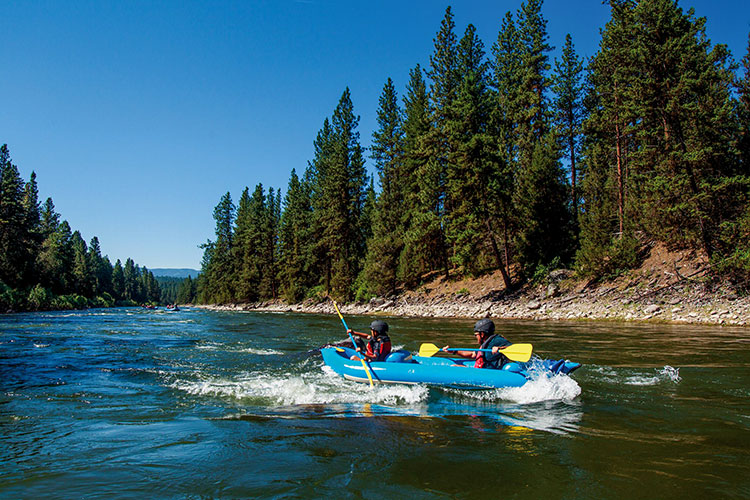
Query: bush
(39, 298)
(67, 302)
(11, 299)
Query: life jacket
(379, 346)
(489, 360)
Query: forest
(502, 159)
(45, 265)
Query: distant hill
(174, 273)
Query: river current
(130, 403)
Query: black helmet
(485, 326)
(380, 327)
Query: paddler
(484, 334)
(379, 345)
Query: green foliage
(542, 271)
(44, 264)
(39, 298)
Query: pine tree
(55, 260)
(339, 184)
(421, 187)
(186, 291)
(82, 274)
(13, 219)
(507, 65)
(435, 146)
(533, 119)
(473, 161)
(131, 286)
(118, 281)
(220, 274)
(683, 102)
(743, 110)
(385, 244)
(605, 244)
(246, 287)
(568, 109)
(296, 241)
(101, 269)
(544, 217)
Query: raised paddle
(514, 352)
(364, 365)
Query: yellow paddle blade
(428, 350)
(514, 352)
(518, 352)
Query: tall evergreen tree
(419, 185)
(13, 219)
(101, 269)
(296, 240)
(743, 90)
(435, 145)
(386, 242)
(568, 110)
(507, 71)
(118, 280)
(220, 275)
(338, 198)
(82, 275)
(473, 162)
(543, 232)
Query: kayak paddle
(364, 365)
(514, 352)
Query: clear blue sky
(138, 115)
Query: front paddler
(379, 345)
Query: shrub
(39, 298)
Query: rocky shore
(686, 304)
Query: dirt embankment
(668, 287)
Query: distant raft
(401, 367)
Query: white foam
(261, 352)
(666, 374)
(315, 387)
(541, 388)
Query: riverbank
(668, 287)
(696, 309)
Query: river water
(129, 403)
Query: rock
(377, 301)
(534, 304)
(652, 309)
(553, 290)
(560, 274)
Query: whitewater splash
(667, 374)
(316, 387)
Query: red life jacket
(379, 347)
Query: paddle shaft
(364, 365)
(514, 352)
(468, 349)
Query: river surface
(129, 403)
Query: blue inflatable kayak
(401, 367)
